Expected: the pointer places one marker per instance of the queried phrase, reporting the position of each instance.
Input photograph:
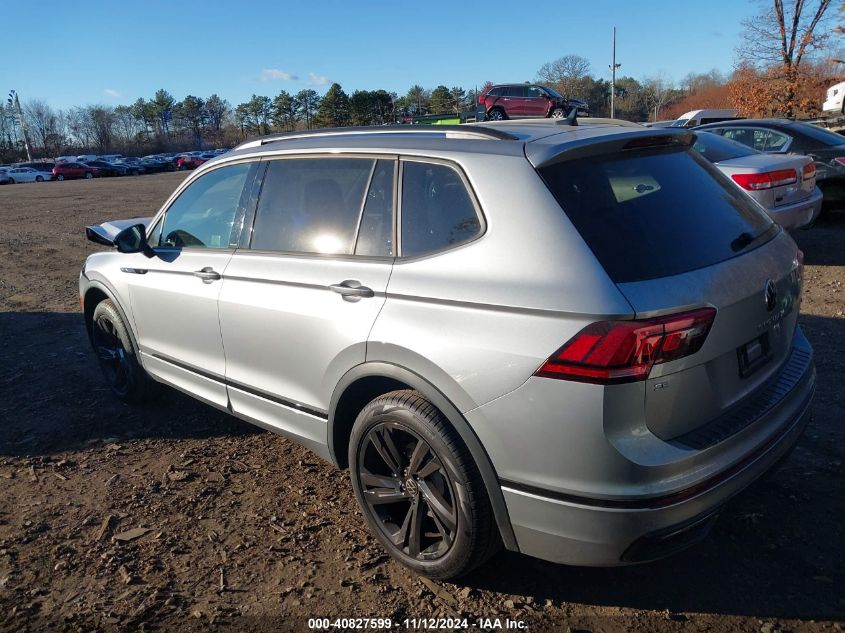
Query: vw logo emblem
(770, 295)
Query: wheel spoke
(439, 506)
(415, 529)
(379, 481)
(400, 536)
(417, 457)
(445, 534)
(379, 496)
(429, 469)
(383, 443)
(106, 353)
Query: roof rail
(448, 131)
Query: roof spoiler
(542, 154)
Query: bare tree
(657, 91)
(565, 74)
(45, 125)
(783, 37)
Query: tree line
(783, 66)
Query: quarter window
(437, 211)
(311, 205)
(375, 237)
(204, 213)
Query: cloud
(111, 92)
(317, 80)
(274, 74)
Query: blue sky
(67, 53)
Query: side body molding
(433, 394)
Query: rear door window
(312, 205)
(437, 210)
(656, 213)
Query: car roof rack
(447, 131)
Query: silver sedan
(784, 184)
(28, 174)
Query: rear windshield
(716, 148)
(831, 139)
(656, 213)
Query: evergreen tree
(334, 108)
(441, 100)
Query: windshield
(554, 93)
(716, 148)
(679, 123)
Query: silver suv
(578, 341)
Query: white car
(27, 174)
(833, 101)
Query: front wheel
(11, 181)
(558, 113)
(418, 487)
(116, 355)
(60, 177)
(39, 179)
(88, 175)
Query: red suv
(64, 171)
(189, 161)
(521, 101)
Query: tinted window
(657, 213)
(533, 92)
(203, 214)
(822, 136)
(437, 211)
(495, 92)
(375, 237)
(715, 148)
(515, 91)
(311, 205)
(775, 142)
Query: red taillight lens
(809, 171)
(756, 182)
(840, 160)
(611, 352)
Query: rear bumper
(594, 533)
(800, 214)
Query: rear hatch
(676, 235)
(773, 180)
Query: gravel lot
(174, 514)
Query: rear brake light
(612, 352)
(809, 171)
(756, 182)
(840, 160)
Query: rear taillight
(756, 182)
(612, 352)
(840, 160)
(809, 171)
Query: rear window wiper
(744, 239)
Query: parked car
(694, 118)
(189, 161)
(27, 174)
(834, 102)
(781, 136)
(516, 101)
(587, 381)
(84, 158)
(40, 166)
(108, 169)
(784, 185)
(152, 166)
(65, 171)
(66, 159)
(5, 179)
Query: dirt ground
(175, 515)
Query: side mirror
(132, 240)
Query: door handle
(207, 274)
(352, 288)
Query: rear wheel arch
(368, 381)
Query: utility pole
(14, 101)
(613, 68)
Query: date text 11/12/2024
(417, 624)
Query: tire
(12, 181)
(60, 177)
(496, 114)
(88, 175)
(110, 337)
(39, 179)
(419, 489)
(558, 113)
